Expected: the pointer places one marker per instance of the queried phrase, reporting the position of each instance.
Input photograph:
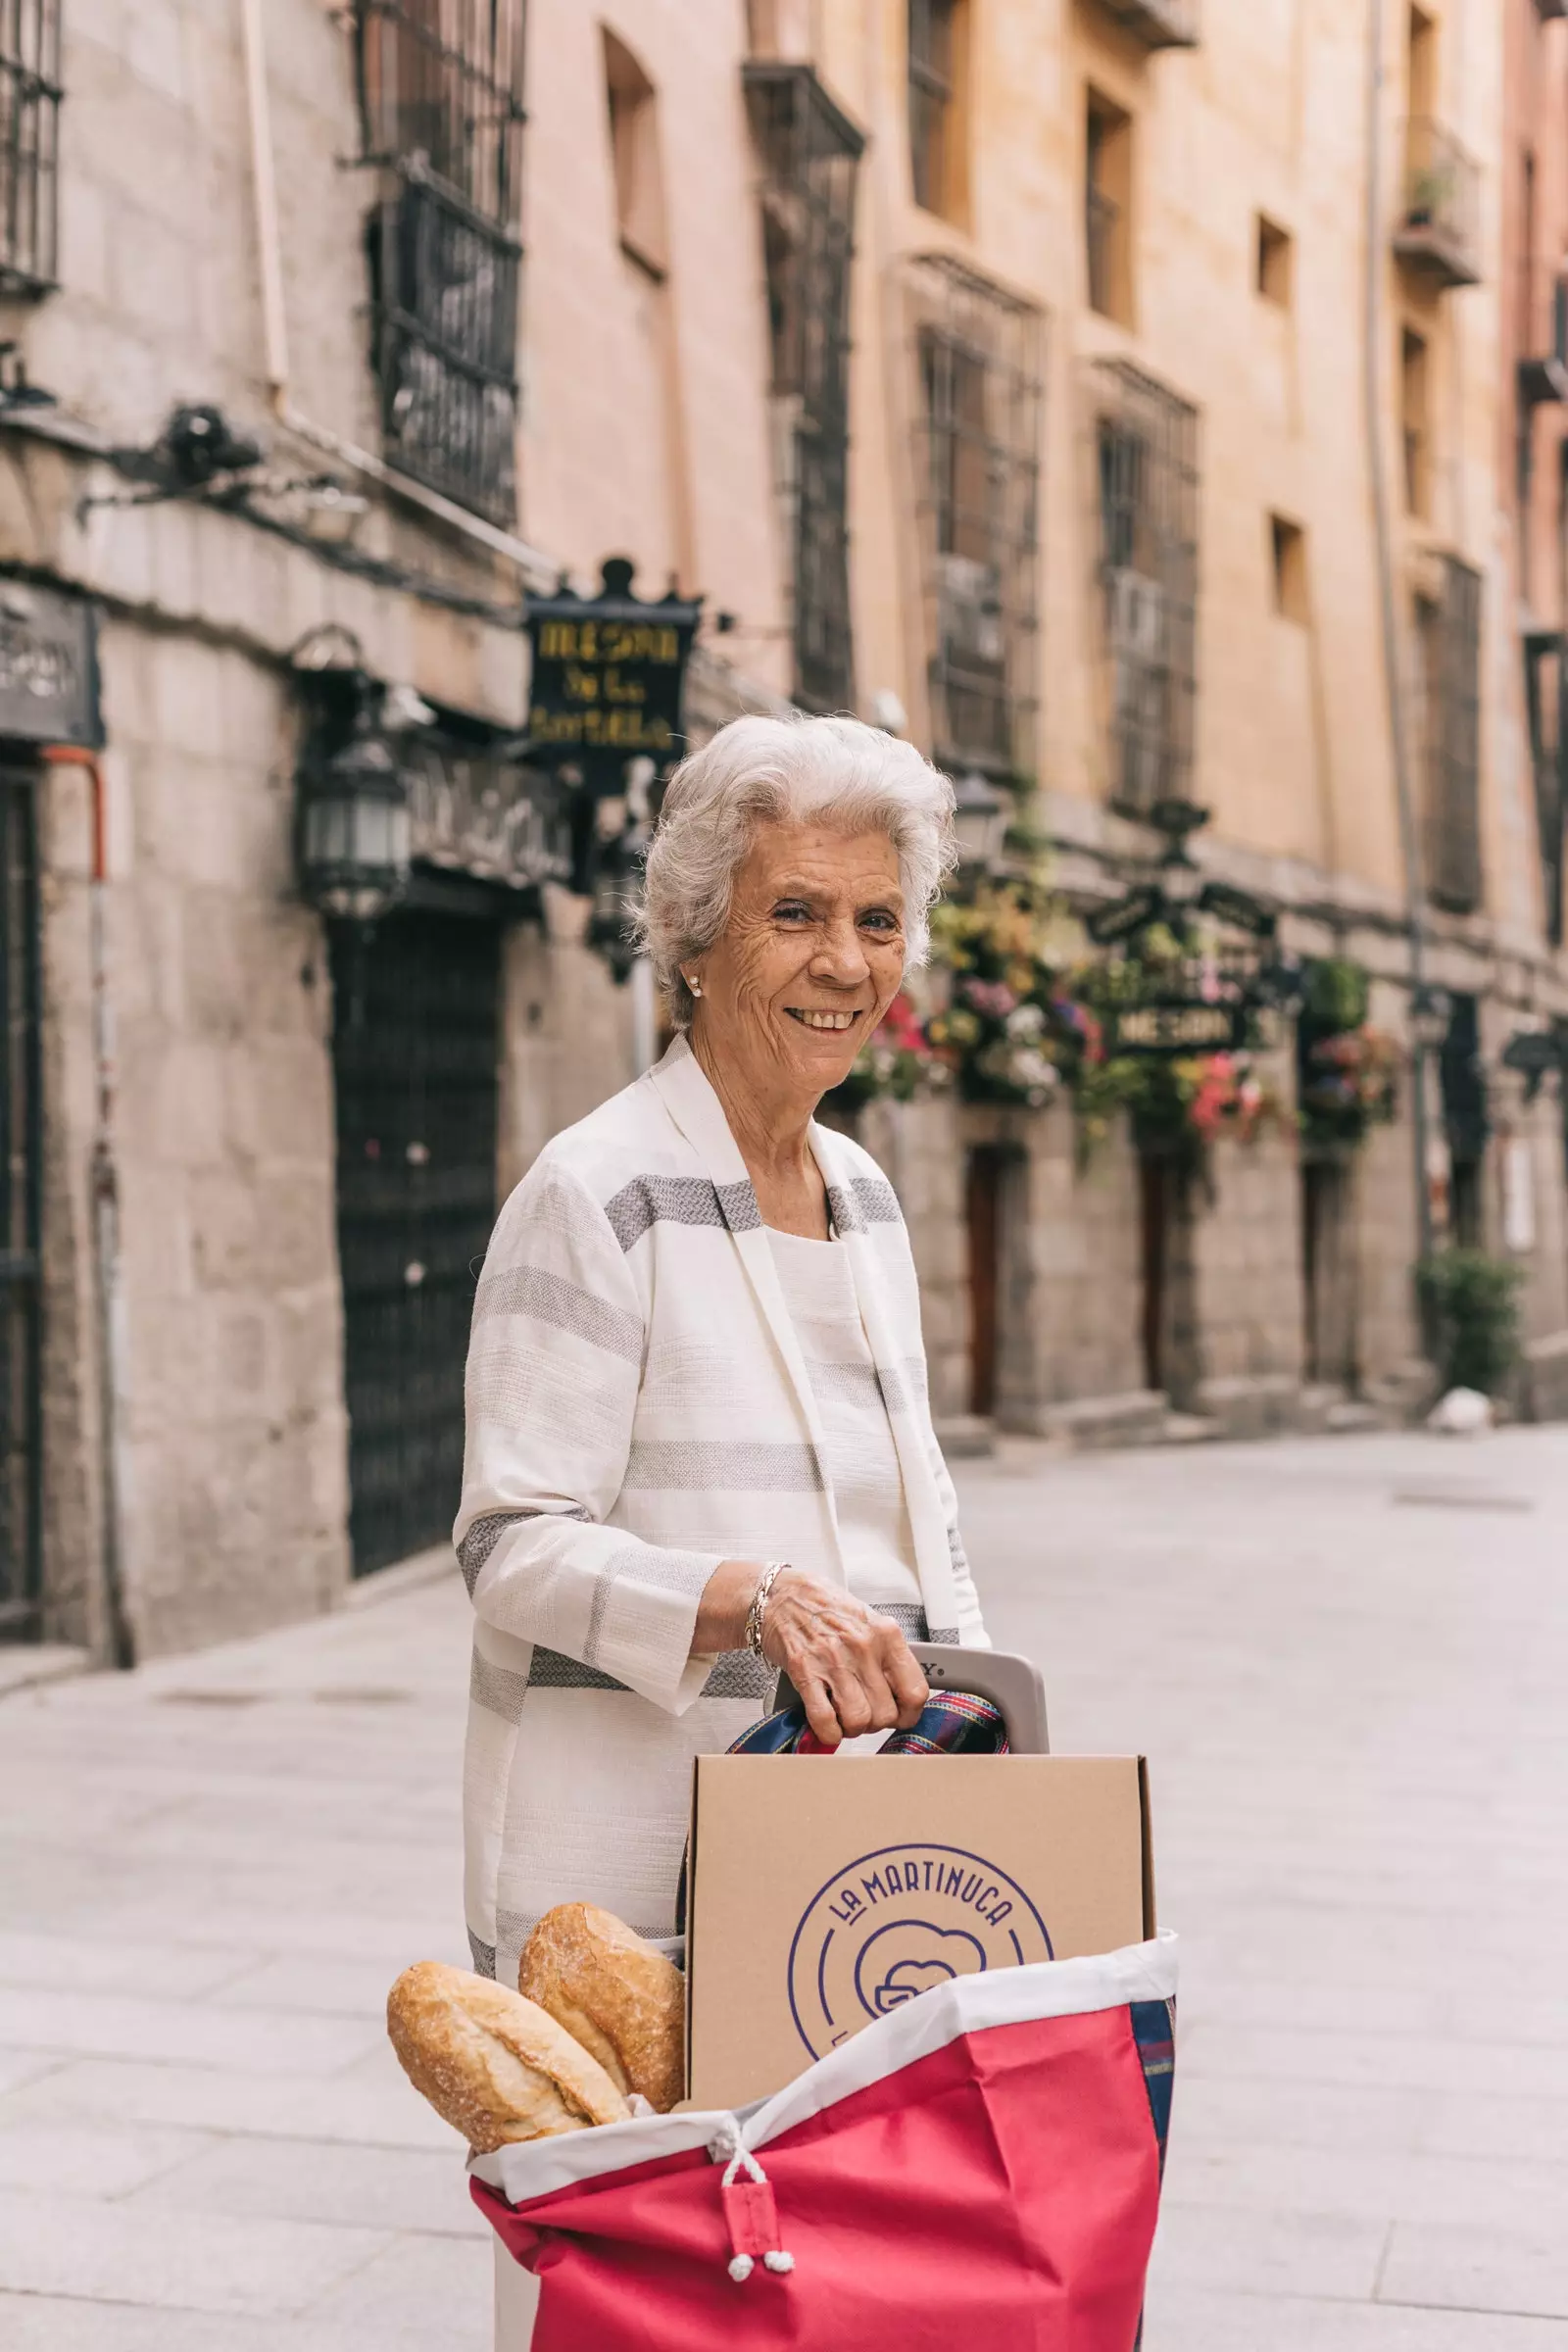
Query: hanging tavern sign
(1177, 1025)
(606, 680)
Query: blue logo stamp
(892, 1925)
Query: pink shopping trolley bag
(981, 2165)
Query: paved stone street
(1346, 1659)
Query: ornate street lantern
(980, 816)
(1431, 1011)
(355, 829)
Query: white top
(875, 1535)
(639, 1411)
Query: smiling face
(809, 962)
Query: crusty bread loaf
(615, 1994)
(494, 2066)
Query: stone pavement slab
(1343, 1658)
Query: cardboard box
(825, 1891)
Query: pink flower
(992, 998)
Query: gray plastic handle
(1015, 1685)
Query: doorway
(1328, 1271)
(1168, 1326)
(20, 1211)
(416, 1044)
(993, 1176)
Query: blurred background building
(1146, 404)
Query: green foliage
(1472, 1304)
(1339, 994)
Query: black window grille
(977, 354)
(1546, 702)
(29, 144)
(1146, 449)
(810, 155)
(931, 56)
(21, 1180)
(441, 103)
(1449, 635)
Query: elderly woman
(699, 1445)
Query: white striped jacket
(639, 1411)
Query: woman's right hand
(854, 1670)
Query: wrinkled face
(809, 961)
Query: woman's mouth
(822, 1021)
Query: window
(976, 357)
(1108, 207)
(1448, 672)
(634, 157)
(809, 154)
(938, 38)
(1147, 450)
(1413, 373)
(1288, 547)
(1276, 262)
(441, 101)
(30, 132)
(1546, 703)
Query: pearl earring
(693, 983)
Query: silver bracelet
(753, 1615)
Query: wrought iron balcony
(1159, 23)
(1439, 231)
(1543, 335)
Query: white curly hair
(833, 771)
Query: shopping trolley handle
(1015, 1685)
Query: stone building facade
(242, 1215)
(733, 293)
(1269, 256)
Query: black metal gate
(20, 1189)
(417, 1048)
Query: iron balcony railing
(446, 83)
(441, 115)
(1157, 23)
(29, 144)
(1147, 451)
(978, 368)
(1439, 228)
(1542, 332)
(809, 154)
(1450, 633)
(446, 283)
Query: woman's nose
(842, 957)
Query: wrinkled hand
(854, 1670)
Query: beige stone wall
(232, 1436)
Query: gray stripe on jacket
(740, 1466)
(680, 1200)
(550, 1298)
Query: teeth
(827, 1020)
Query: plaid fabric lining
(952, 1722)
(1154, 2031)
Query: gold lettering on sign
(1157, 1025)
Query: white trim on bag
(1003, 1996)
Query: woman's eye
(879, 919)
(792, 911)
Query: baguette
(490, 2062)
(614, 1993)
